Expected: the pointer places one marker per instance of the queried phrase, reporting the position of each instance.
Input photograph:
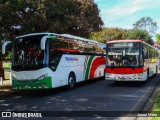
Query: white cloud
(126, 9)
(138, 1)
(119, 12)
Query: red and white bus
(130, 60)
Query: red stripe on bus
(125, 70)
(96, 63)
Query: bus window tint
(28, 54)
(150, 54)
(123, 55)
(56, 49)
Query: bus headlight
(43, 76)
(138, 75)
(13, 78)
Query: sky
(124, 13)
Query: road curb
(152, 100)
(7, 91)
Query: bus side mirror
(4, 46)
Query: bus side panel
(55, 78)
(145, 75)
(97, 67)
(71, 63)
(83, 66)
(94, 67)
(152, 69)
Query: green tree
(140, 35)
(146, 23)
(73, 17)
(70, 16)
(109, 34)
(158, 38)
(22, 16)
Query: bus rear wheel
(71, 81)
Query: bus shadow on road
(59, 90)
(128, 84)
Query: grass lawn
(156, 108)
(6, 65)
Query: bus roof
(78, 38)
(42, 33)
(62, 35)
(127, 40)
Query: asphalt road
(99, 96)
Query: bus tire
(71, 81)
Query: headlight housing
(138, 75)
(43, 76)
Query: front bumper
(124, 77)
(45, 83)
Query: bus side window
(145, 53)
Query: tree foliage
(60, 16)
(109, 34)
(140, 35)
(146, 23)
(158, 38)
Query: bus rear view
(129, 60)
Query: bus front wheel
(71, 81)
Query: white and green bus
(49, 60)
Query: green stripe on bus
(52, 37)
(37, 84)
(88, 67)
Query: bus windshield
(124, 54)
(27, 53)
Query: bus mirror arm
(43, 42)
(4, 46)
